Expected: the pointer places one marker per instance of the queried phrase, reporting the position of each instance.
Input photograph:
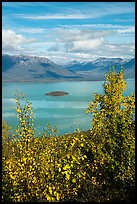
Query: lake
(65, 112)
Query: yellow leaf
(74, 180)
(58, 197)
(18, 110)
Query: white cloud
(81, 34)
(101, 26)
(32, 30)
(53, 16)
(67, 44)
(87, 45)
(128, 30)
(12, 41)
(126, 50)
(93, 11)
(76, 40)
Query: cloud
(12, 41)
(81, 34)
(85, 11)
(32, 30)
(124, 20)
(126, 50)
(87, 45)
(53, 16)
(69, 31)
(128, 30)
(76, 40)
(100, 26)
(63, 45)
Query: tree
(113, 128)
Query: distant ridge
(33, 68)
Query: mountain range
(41, 69)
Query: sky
(68, 31)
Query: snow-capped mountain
(33, 68)
(30, 68)
(97, 68)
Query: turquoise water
(65, 112)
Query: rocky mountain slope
(32, 68)
(29, 68)
(97, 68)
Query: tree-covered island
(57, 93)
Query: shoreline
(50, 81)
(54, 81)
